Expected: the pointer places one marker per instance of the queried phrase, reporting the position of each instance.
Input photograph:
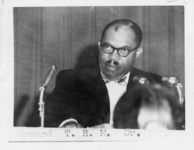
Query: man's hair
(124, 22)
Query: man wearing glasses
(88, 97)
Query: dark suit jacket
(82, 95)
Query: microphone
(140, 79)
(49, 76)
(42, 89)
(174, 82)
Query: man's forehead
(120, 36)
(117, 28)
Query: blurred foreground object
(152, 106)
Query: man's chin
(111, 75)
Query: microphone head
(53, 67)
(172, 80)
(140, 80)
(49, 76)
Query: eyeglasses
(122, 51)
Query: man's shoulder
(66, 72)
(78, 73)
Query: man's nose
(114, 55)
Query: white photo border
(21, 134)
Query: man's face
(112, 65)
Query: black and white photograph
(98, 72)
(110, 67)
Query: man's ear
(139, 52)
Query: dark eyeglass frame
(129, 50)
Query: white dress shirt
(115, 91)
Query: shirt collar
(123, 80)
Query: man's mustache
(112, 62)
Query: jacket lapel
(93, 93)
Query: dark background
(68, 36)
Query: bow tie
(120, 81)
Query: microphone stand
(41, 106)
(172, 80)
(42, 90)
